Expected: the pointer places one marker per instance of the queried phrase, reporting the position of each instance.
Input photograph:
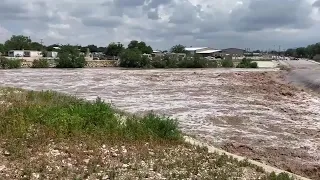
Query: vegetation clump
(227, 63)
(6, 63)
(40, 63)
(69, 116)
(70, 57)
(247, 63)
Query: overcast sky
(255, 24)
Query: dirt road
(247, 113)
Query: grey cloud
(10, 11)
(128, 3)
(153, 15)
(110, 22)
(184, 13)
(316, 4)
(266, 14)
(156, 3)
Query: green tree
(92, 48)
(114, 49)
(301, 52)
(290, 52)
(18, 42)
(69, 57)
(132, 58)
(178, 49)
(36, 46)
(141, 46)
(2, 49)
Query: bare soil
(250, 113)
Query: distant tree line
(304, 52)
(20, 42)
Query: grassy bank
(47, 135)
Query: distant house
(24, 53)
(204, 51)
(233, 52)
(29, 53)
(16, 53)
(194, 50)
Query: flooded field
(248, 113)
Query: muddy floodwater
(248, 113)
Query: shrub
(6, 63)
(227, 63)
(69, 116)
(133, 58)
(40, 63)
(247, 63)
(69, 57)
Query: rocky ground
(70, 160)
(252, 113)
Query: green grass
(68, 116)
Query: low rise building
(25, 53)
(15, 53)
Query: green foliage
(133, 58)
(69, 57)
(6, 63)
(40, 63)
(247, 63)
(172, 61)
(178, 49)
(304, 52)
(2, 49)
(227, 63)
(68, 116)
(18, 42)
(141, 46)
(280, 176)
(114, 49)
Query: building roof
(194, 48)
(209, 51)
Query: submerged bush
(6, 63)
(70, 57)
(133, 58)
(40, 63)
(172, 61)
(247, 63)
(227, 63)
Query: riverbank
(47, 135)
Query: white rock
(86, 161)
(125, 165)
(2, 167)
(36, 175)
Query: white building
(16, 53)
(204, 51)
(52, 54)
(35, 54)
(194, 50)
(24, 53)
